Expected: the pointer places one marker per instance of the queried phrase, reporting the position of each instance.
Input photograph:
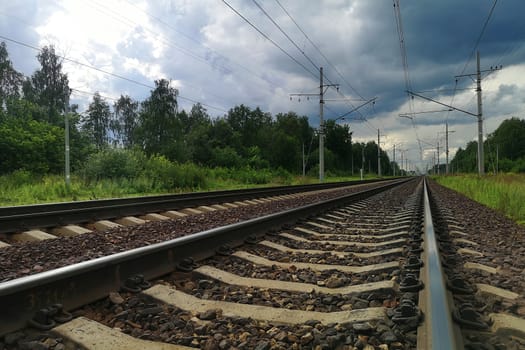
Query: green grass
(503, 192)
(20, 188)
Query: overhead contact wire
(269, 39)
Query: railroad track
(375, 269)
(20, 218)
(47, 221)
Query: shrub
(112, 164)
(519, 166)
(18, 178)
(169, 176)
(226, 157)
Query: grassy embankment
(22, 188)
(503, 192)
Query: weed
(503, 192)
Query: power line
(107, 73)
(362, 122)
(108, 11)
(442, 90)
(510, 51)
(479, 37)
(290, 39)
(269, 39)
(80, 63)
(472, 52)
(402, 44)
(285, 34)
(158, 37)
(159, 20)
(319, 50)
(87, 93)
(404, 61)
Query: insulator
(290, 98)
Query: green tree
(96, 121)
(10, 79)
(159, 127)
(286, 152)
(30, 145)
(370, 157)
(257, 129)
(20, 109)
(197, 117)
(252, 128)
(465, 160)
(124, 123)
(510, 138)
(357, 156)
(291, 136)
(196, 128)
(339, 142)
(49, 87)
(222, 135)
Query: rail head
(438, 331)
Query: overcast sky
(213, 56)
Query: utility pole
(481, 158)
(378, 155)
(446, 147)
(66, 137)
(479, 115)
(438, 156)
(394, 165)
(446, 144)
(401, 166)
(362, 161)
(321, 127)
(322, 89)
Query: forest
(504, 150)
(123, 138)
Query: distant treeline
(33, 109)
(504, 150)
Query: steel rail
(438, 331)
(85, 282)
(22, 218)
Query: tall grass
(21, 188)
(503, 192)
(124, 173)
